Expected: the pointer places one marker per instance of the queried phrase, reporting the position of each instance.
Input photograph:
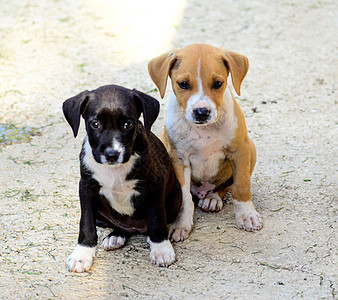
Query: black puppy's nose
(111, 155)
(201, 114)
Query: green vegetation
(9, 133)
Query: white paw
(162, 254)
(113, 242)
(179, 230)
(246, 216)
(212, 202)
(81, 259)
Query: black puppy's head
(111, 115)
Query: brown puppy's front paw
(180, 229)
(246, 216)
(212, 202)
(179, 234)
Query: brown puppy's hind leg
(222, 193)
(252, 156)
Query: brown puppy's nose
(111, 155)
(201, 114)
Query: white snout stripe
(120, 148)
(117, 146)
(200, 100)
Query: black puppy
(127, 179)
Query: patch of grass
(81, 67)
(311, 247)
(32, 163)
(278, 209)
(313, 6)
(286, 173)
(62, 137)
(257, 252)
(25, 162)
(12, 193)
(63, 20)
(22, 195)
(11, 92)
(10, 133)
(55, 238)
(31, 272)
(50, 254)
(233, 246)
(152, 91)
(269, 266)
(28, 196)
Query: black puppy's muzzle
(201, 115)
(110, 156)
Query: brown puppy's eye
(127, 125)
(184, 85)
(95, 125)
(217, 84)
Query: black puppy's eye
(127, 125)
(217, 84)
(95, 125)
(184, 85)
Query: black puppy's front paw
(81, 259)
(113, 241)
(162, 254)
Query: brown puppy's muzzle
(201, 115)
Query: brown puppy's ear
(150, 108)
(73, 108)
(238, 66)
(159, 68)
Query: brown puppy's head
(199, 75)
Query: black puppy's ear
(73, 108)
(150, 108)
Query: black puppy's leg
(115, 240)
(83, 255)
(162, 252)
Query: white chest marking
(112, 178)
(202, 147)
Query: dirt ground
(52, 50)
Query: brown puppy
(205, 132)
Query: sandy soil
(52, 50)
